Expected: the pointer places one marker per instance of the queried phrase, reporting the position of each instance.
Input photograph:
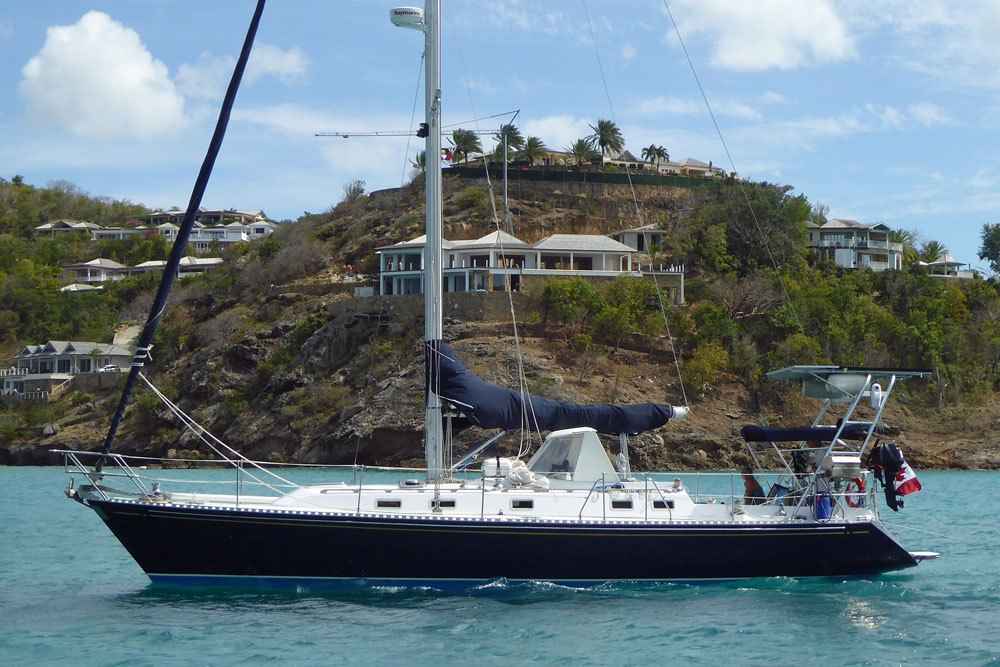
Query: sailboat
(568, 515)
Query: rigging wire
(732, 164)
(527, 407)
(638, 213)
(201, 432)
(409, 135)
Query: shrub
(706, 361)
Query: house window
(65, 365)
(85, 365)
(663, 504)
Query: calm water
(70, 593)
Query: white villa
(641, 238)
(212, 226)
(501, 262)
(102, 270)
(853, 245)
(41, 370)
(947, 266)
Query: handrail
(587, 499)
(670, 509)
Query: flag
(906, 480)
(446, 155)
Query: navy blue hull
(213, 545)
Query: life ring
(854, 492)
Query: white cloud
(765, 34)
(628, 51)
(557, 131)
(887, 115)
(674, 105)
(207, 79)
(97, 80)
(984, 178)
(289, 66)
(928, 114)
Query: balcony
(862, 244)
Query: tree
(608, 137)
(990, 250)
(354, 190)
(464, 142)
(514, 138)
(582, 151)
(533, 149)
(650, 153)
(908, 239)
(932, 251)
(420, 161)
(655, 154)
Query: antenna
(407, 17)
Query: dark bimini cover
(489, 406)
(752, 433)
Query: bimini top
(754, 433)
(841, 384)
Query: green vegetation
(608, 137)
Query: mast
(432, 250)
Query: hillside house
(501, 262)
(854, 245)
(641, 238)
(40, 370)
(63, 226)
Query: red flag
(906, 481)
(446, 155)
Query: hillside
(274, 357)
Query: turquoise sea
(70, 594)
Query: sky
(883, 112)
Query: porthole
(522, 504)
(663, 504)
(621, 504)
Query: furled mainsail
(489, 406)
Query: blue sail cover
(753, 433)
(489, 406)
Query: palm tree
(464, 143)
(662, 154)
(908, 239)
(420, 162)
(515, 141)
(582, 151)
(608, 137)
(533, 149)
(651, 153)
(932, 251)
